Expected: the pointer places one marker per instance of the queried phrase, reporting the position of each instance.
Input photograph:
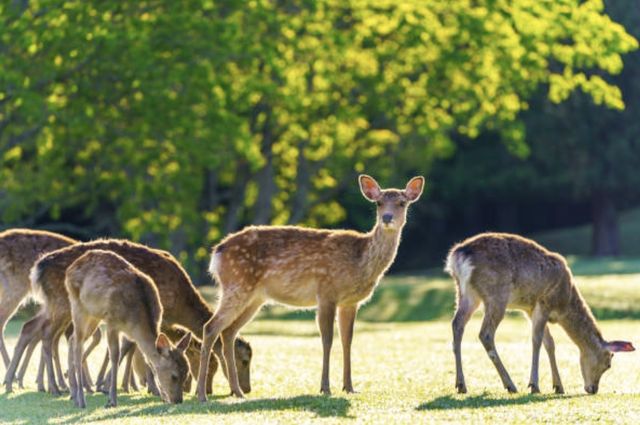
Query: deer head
(391, 203)
(594, 363)
(172, 369)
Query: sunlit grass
(403, 370)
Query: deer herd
(158, 325)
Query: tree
(177, 122)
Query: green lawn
(402, 366)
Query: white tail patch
(460, 267)
(214, 265)
(36, 289)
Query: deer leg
(95, 340)
(127, 371)
(55, 351)
(493, 315)
(467, 305)
(152, 387)
(550, 347)
(538, 325)
(85, 330)
(47, 345)
(113, 342)
(346, 321)
(213, 368)
(229, 345)
(326, 317)
(25, 363)
(40, 377)
(31, 330)
(100, 384)
(132, 381)
(73, 383)
(231, 305)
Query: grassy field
(402, 365)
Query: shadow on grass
(62, 409)
(452, 402)
(321, 406)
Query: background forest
(177, 122)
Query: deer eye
(402, 203)
(379, 203)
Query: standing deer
(19, 249)
(183, 305)
(103, 286)
(508, 271)
(328, 269)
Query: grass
(402, 366)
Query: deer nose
(386, 218)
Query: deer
(104, 287)
(331, 270)
(501, 271)
(19, 249)
(182, 303)
(242, 352)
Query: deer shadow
(321, 406)
(135, 405)
(485, 400)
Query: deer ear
(414, 188)
(162, 343)
(184, 342)
(370, 188)
(619, 346)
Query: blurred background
(174, 123)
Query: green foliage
(177, 122)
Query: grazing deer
(328, 269)
(19, 249)
(242, 353)
(182, 303)
(103, 286)
(508, 271)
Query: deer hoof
(349, 390)
(110, 404)
(461, 388)
(534, 388)
(512, 388)
(325, 391)
(558, 389)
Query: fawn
(330, 269)
(103, 286)
(183, 305)
(508, 271)
(242, 352)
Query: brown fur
(330, 269)
(242, 352)
(103, 286)
(508, 271)
(19, 249)
(183, 305)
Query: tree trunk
(266, 176)
(606, 234)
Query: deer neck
(382, 245)
(580, 324)
(146, 342)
